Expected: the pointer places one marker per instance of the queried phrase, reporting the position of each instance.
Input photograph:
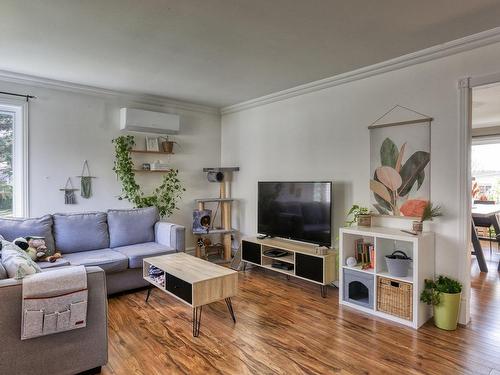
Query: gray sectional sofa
(112, 246)
(116, 241)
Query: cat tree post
(226, 221)
(223, 177)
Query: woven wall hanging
(69, 192)
(86, 181)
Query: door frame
(465, 86)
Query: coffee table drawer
(179, 287)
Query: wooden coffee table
(193, 281)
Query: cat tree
(224, 202)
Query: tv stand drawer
(251, 252)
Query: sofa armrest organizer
(69, 352)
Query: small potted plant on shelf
(167, 145)
(444, 294)
(429, 212)
(360, 215)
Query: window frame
(20, 162)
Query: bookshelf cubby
(385, 240)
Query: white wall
(65, 128)
(323, 135)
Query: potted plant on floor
(428, 214)
(444, 294)
(360, 215)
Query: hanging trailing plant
(164, 197)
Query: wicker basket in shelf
(395, 297)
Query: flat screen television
(299, 211)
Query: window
(13, 170)
(485, 169)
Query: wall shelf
(151, 152)
(149, 171)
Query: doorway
(485, 177)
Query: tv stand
(302, 260)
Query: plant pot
(446, 312)
(418, 226)
(168, 147)
(365, 220)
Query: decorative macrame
(69, 192)
(86, 181)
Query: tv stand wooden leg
(323, 291)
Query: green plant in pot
(444, 295)
(429, 212)
(165, 197)
(360, 215)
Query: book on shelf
(371, 250)
(364, 254)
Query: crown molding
(432, 53)
(25, 79)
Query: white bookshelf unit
(385, 240)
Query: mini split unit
(139, 120)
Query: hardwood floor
(285, 327)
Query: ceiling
(486, 106)
(222, 52)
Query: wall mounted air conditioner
(139, 120)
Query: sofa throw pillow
(12, 228)
(17, 262)
(81, 231)
(129, 227)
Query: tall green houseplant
(165, 197)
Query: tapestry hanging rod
(28, 97)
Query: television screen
(296, 210)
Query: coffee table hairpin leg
(149, 293)
(196, 320)
(230, 308)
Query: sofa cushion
(81, 232)
(129, 227)
(109, 260)
(136, 253)
(12, 228)
(17, 262)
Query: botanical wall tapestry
(400, 167)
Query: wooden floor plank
(285, 327)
